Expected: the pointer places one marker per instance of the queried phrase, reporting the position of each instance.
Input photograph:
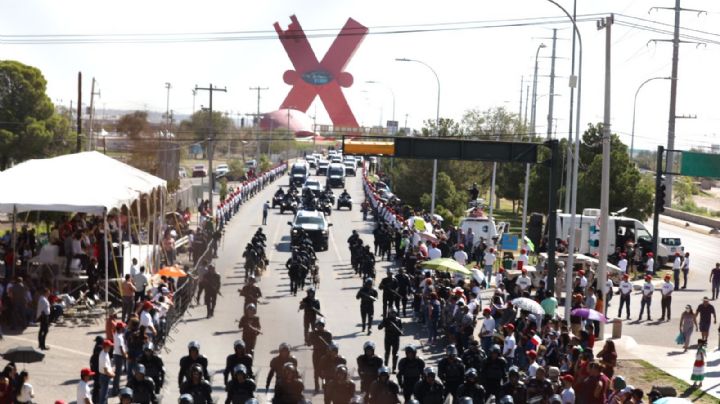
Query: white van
(483, 227)
(622, 230)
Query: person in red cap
(487, 330)
(647, 292)
(532, 363)
(106, 371)
(460, 255)
(666, 291)
(509, 345)
(119, 355)
(84, 393)
(146, 319)
(625, 289)
(568, 393)
(650, 264)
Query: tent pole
(149, 237)
(106, 234)
(129, 229)
(139, 224)
(14, 241)
(154, 227)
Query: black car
(313, 225)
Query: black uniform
(212, 288)
(276, 367)
(143, 390)
(473, 358)
(311, 307)
(328, 365)
(154, 369)
(429, 393)
(368, 370)
(239, 392)
(493, 373)
(186, 363)
(251, 329)
(339, 392)
(320, 340)
(384, 392)
(251, 293)
(288, 392)
(404, 289)
(517, 391)
(201, 392)
(409, 373)
(367, 296)
(389, 286)
(473, 390)
(233, 360)
(393, 331)
(452, 374)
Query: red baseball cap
(531, 353)
(510, 327)
(107, 343)
(147, 305)
(86, 372)
(486, 310)
(650, 254)
(568, 378)
(626, 276)
(667, 277)
(648, 277)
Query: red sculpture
(311, 78)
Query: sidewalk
(671, 360)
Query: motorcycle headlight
(294, 231)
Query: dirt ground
(642, 375)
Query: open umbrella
(23, 354)
(172, 272)
(589, 314)
(478, 276)
(523, 303)
(446, 265)
(428, 236)
(672, 400)
(438, 217)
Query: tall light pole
(534, 91)
(437, 125)
(576, 158)
(168, 86)
(632, 135)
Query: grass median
(642, 375)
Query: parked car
(182, 172)
(199, 171)
(221, 169)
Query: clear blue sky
(478, 68)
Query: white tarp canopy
(88, 182)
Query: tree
(29, 125)
(198, 124)
(143, 147)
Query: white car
(222, 169)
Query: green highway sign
(695, 164)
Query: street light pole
(534, 92)
(391, 93)
(576, 158)
(437, 126)
(632, 135)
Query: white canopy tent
(88, 182)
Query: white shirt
(625, 287)
(568, 396)
(498, 278)
(509, 349)
(524, 259)
(488, 327)
(434, 252)
(489, 258)
(648, 289)
(622, 264)
(532, 369)
(26, 393)
(146, 319)
(104, 363)
(43, 307)
(650, 264)
(119, 341)
(686, 264)
(83, 392)
(134, 270)
(667, 288)
(523, 282)
(583, 281)
(461, 257)
(141, 281)
(677, 262)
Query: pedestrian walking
(320, 340)
(666, 291)
(43, 317)
(685, 269)
(393, 330)
(250, 325)
(212, 283)
(266, 209)
(311, 309)
(698, 372)
(688, 323)
(367, 296)
(715, 281)
(705, 311)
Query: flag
(536, 341)
(529, 243)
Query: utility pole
(522, 83)
(673, 93)
(572, 83)
(533, 109)
(211, 140)
(168, 86)
(551, 97)
(92, 143)
(78, 144)
(527, 102)
(256, 120)
(194, 94)
(606, 24)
